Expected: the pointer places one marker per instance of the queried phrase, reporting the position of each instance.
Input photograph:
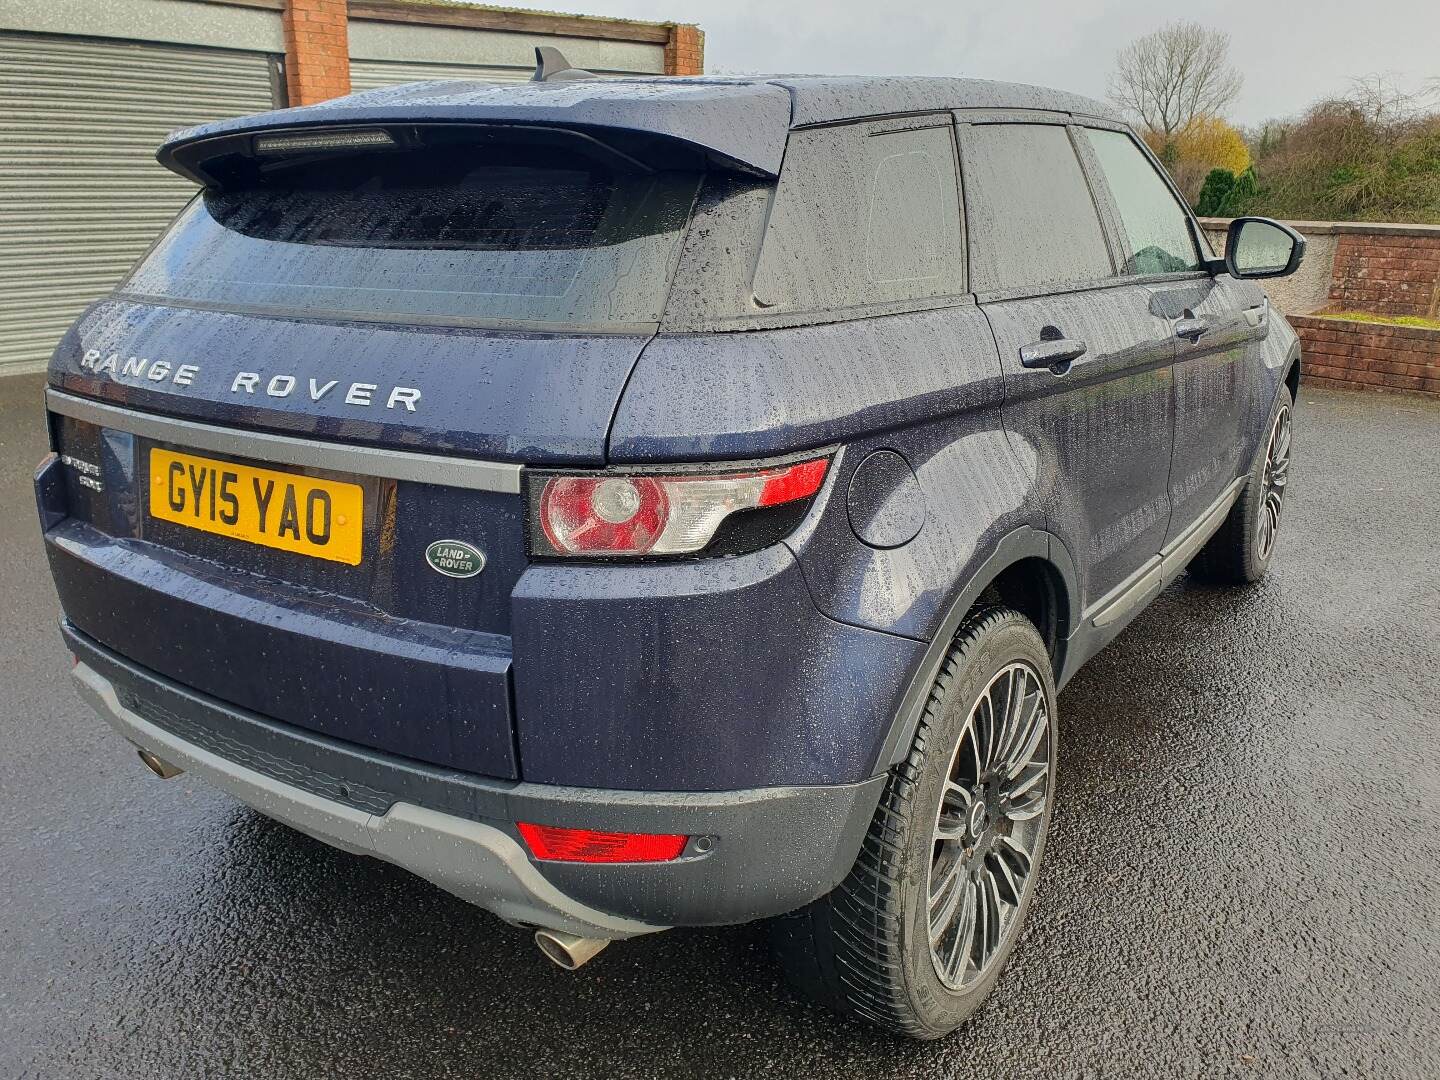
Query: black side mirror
(1257, 247)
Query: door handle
(1055, 355)
(1192, 330)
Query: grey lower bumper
(754, 853)
(475, 861)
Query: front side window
(484, 232)
(1157, 229)
(864, 214)
(1032, 220)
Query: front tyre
(917, 934)
(1240, 551)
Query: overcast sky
(1291, 51)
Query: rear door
(1217, 323)
(1086, 359)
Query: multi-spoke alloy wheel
(987, 826)
(1240, 551)
(921, 928)
(1277, 469)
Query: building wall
(372, 40)
(254, 26)
(685, 51)
(96, 85)
(317, 51)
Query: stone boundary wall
(1373, 269)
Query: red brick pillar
(685, 51)
(317, 50)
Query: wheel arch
(1030, 570)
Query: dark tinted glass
(522, 234)
(1031, 218)
(1157, 229)
(865, 213)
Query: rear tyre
(1240, 551)
(917, 934)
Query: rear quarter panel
(722, 673)
(925, 384)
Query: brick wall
(317, 50)
(1344, 353)
(1391, 272)
(1372, 268)
(685, 51)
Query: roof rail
(550, 64)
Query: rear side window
(864, 214)
(1032, 219)
(1157, 229)
(490, 232)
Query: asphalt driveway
(1243, 878)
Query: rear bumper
(768, 850)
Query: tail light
(675, 513)
(593, 846)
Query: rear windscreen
(485, 232)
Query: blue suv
(632, 503)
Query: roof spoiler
(666, 124)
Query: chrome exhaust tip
(159, 766)
(568, 950)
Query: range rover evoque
(631, 503)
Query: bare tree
(1179, 72)
(1384, 101)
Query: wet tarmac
(1243, 878)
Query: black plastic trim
(1024, 543)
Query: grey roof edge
(825, 99)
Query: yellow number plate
(319, 518)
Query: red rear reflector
(592, 846)
(797, 482)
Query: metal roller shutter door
(373, 74)
(81, 196)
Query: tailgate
(358, 636)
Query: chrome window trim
(456, 472)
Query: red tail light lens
(663, 513)
(592, 846)
(617, 514)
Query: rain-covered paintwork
(798, 665)
(737, 121)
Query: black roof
(739, 122)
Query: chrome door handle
(1052, 354)
(1192, 330)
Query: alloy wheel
(1277, 471)
(988, 826)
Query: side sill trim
(468, 473)
(1160, 570)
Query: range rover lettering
(631, 503)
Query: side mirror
(1257, 247)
